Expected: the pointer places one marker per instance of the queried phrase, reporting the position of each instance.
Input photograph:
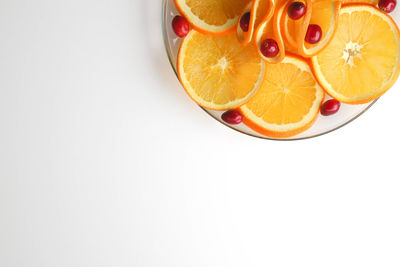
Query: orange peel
(324, 13)
(269, 28)
(258, 10)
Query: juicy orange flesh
(367, 67)
(285, 96)
(220, 68)
(216, 12)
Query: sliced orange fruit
(287, 102)
(258, 9)
(269, 28)
(362, 61)
(217, 71)
(216, 17)
(323, 13)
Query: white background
(104, 160)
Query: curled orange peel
(326, 14)
(258, 10)
(269, 28)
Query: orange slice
(216, 17)
(287, 102)
(321, 12)
(258, 10)
(217, 71)
(269, 28)
(362, 61)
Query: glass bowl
(323, 125)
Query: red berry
(245, 22)
(330, 107)
(296, 10)
(314, 34)
(232, 117)
(180, 26)
(269, 48)
(387, 5)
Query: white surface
(105, 161)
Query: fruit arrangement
(270, 64)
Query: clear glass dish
(323, 125)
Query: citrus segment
(287, 102)
(323, 13)
(362, 61)
(217, 72)
(258, 10)
(216, 17)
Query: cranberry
(296, 10)
(245, 22)
(269, 48)
(180, 26)
(314, 34)
(387, 5)
(232, 117)
(330, 107)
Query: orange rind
(258, 9)
(323, 13)
(269, 29)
